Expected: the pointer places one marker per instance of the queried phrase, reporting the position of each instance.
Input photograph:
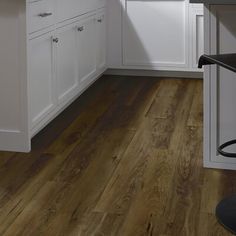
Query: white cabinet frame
(37, 114)
(64, 94)
(196, 34)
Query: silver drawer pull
(45, 14)
(80, 29)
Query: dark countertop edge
(221, 2)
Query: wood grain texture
(125, 159)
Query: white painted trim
(154, 68)
(153, 73)
(195, 13)
(17, 138)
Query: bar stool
(226, 209)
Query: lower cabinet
(62, 64)
(197, 33)
(42, 78)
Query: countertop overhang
(226, 2)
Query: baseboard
(153, 73)
(219, 165)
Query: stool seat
(227, 61)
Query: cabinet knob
(55, 40)
(45, 14)
(80, 29)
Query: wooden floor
(124, 159)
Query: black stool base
(226, 213)
(227, 144)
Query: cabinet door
(41, 78)
(101, 41)
(66, 66)
(197, 33)
(155, 33)
(86, 40)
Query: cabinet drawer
(67, 9)
(41, 15)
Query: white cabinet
(51, 52)
(86, 44)
(42, 98)
(14, 119)
(80, 54)
(101, 41)
(155, 33)
(197, 33)
(66, 63)
(219, 86)
(63, 63)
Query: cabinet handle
(45, 14)
(55, 40)
(80, 29)
(99, 20)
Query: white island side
(50, 52)
(219, 83)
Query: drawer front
(67, 9)
(101, 3)
(41, 14)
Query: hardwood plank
(196, 111)
(209, 226)
(167, 97)
(107, 224)
(183, 204)
(148, 207)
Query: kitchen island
(219, 83)
(51, 51)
